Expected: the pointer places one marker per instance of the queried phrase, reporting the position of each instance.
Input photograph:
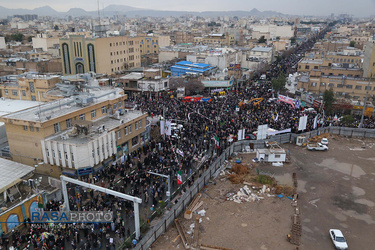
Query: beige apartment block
(369, 60)
(104, 55)
(31, 88)
(75, 133)
(348, 87)
(151, 44)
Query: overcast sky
(299, 7)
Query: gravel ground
(335, 191)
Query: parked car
(338, 239)
(324, 141)
(317, 146)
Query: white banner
(165, 128)
(302, 123)
(241, 134)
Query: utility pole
(169, 193)
(365, 101)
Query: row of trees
(17, 37)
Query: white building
(2, 43)
(272, 154)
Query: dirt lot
(335, 191)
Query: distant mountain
(129, 11)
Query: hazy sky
(300, 7)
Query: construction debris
(246, 194)
(193, 205)
(181, 232)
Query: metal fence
(184, 200)
(238, 146)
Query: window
(307, 67)
(359, 87)
(43, 94)
(115, 106)
(126, 130)
(31, 85)
(349, 86)
(14, 92)
(340, 85)
(140, 123)
(130, 129)
(6, 91)
(135, 141)
(25, 128)
(118, 134)
(104, 110)
(316, 67)
(322, 84)
(23, 93)
(56, 127)
(277, 156)
(37, 129)
(31, 129)
(120, 104)
(136, 125)
(93, 113)
(47, 152)
(313, 84)
(331, 85)
(82, 117)
(33, 98)
(69, 123)
(368, 88)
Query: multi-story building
(76, 135)
(343, 87)
(369, 60)
(216, 40)
(265, 53)
(151, 44)
(30, 87)
(104, 55)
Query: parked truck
(317, 147)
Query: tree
(192, 86)
(30, 39)
(18, 37)
(278, 84)
(277, 38)
(56, 27)
(352, 43)
(347, 120)
(329, 99)
(262, 40)
(292, 40)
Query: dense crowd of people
(221, 117)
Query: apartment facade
(216, 39)
(30, 87)
(80, 132)
(369, 60)
(151, 44)
(343, 87)
(104, 55)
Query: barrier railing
(238, 146)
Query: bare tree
(192, 86)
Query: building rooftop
(262, 49)
(8, 106)
(65, 106)
(109, 123)
(132, 76)
(12, 173)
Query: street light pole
(169, 186)
(365, 101)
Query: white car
(338, 239)
(324, 141)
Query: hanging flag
(277, 117)
(179, 177)
(315, 121)
(162, 126)
(216, 141)
(167, 128)
(180, 152)
(188, 116)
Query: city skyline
(360, 8)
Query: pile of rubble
(247, 194)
